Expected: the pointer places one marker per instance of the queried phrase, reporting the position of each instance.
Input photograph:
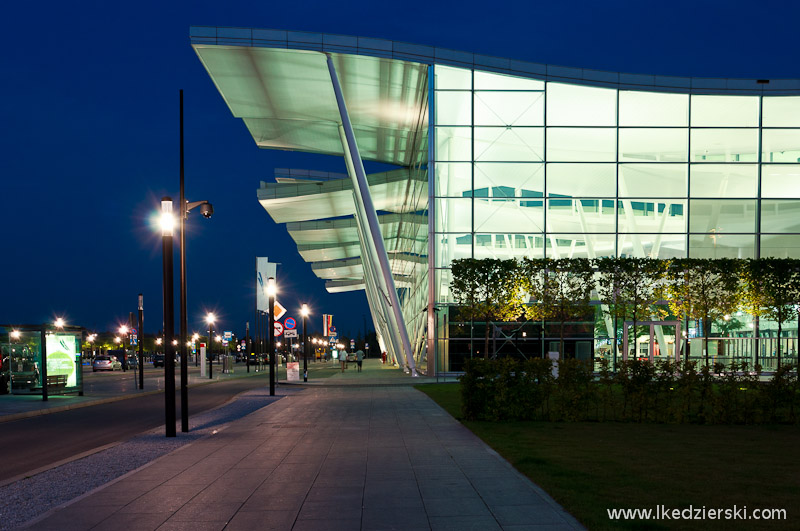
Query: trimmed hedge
(508, 389)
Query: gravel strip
(33, 496)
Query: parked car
(132, 361)
(106, 363)
(158, 360)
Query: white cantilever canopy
(286, 100)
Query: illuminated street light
(167, 228)
(159, 341)
(207, 211)
(15, 334)
(304, 312)
(271, 290)
(210, 319)
(59, 323)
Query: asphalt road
(29, 444)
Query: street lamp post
(271, 333)
(141, 341)
(123, 332)
(210, 318)
(167, 227)
(304, 313)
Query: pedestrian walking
(383, 358)
(343, 360)
(359, 358)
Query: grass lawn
(591, 467)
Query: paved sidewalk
(335, 458)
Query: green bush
(507, 389)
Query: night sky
(89, 127)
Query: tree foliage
(487, 290)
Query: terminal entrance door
(662, 342)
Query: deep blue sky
(89, 131)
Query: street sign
(227, 335)
(352, 344)
(289, 323)
(333, 340)
(290, 332)
(280, 311)
(278, 329)
(332, 330)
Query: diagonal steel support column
(363, 203)
(376, 297)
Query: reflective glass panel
(724, 180)
(581, 144)
(454, 143)
(780, 215)
(642, 180)
(724, 111)
(569, 215)
(780, 180)
(579, 105)
(524, 179)
(453, 215)
(652, 215)
(580, 245)
(446, 77)
(490, 81)
(721, 246)
(780, 145)
(781, 111)
(508, 214)
(714, 216)
(653, 145)
(453, 179)
(509, 108)
(653, 109)
(581, 180)
(453, 108)
(780, 245)
(724, 145)
(450, 246)
(509, 144)
(652, 245)
(508, 245)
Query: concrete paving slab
(360, 458)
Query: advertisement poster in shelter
(61, 352)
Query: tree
(704, 289)
(772, 290)
(641, 282)
(609, 289)
(561, 290)
(487, 290)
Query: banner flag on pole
(327, 322)
(264, 270)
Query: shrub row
(508, 389)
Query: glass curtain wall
(530, 168)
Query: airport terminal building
(503, 158)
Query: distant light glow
(59, 322)
(15, 334)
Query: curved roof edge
(326, 42)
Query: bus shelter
(40, 360)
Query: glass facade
(528, 168)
